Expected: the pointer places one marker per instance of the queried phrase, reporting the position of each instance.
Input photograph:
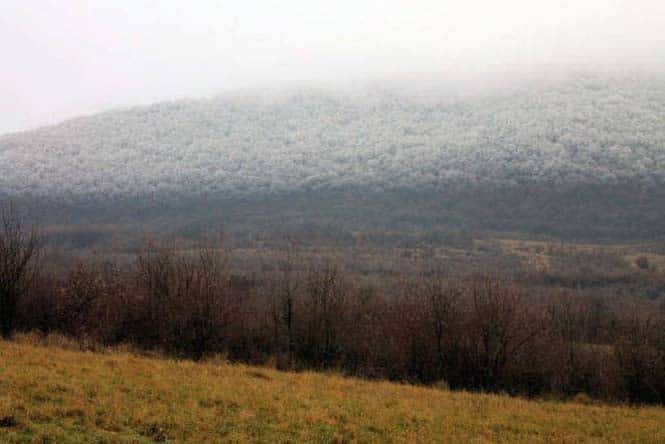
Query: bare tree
(640, 356)
(499, 327)
(567, 316)
(19, 250)
(285, 290)
(326, 291)
(188, 299)
(442, 300)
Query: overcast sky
(62, 58)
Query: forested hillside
(588, 149)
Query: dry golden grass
(656, 261)
(54, 394)
(539, 254)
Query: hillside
(55, 395)
(582, 156)
(580, 129)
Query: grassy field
(60, 395)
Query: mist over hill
(587, 148)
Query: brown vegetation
(18, 252)
(467, 332)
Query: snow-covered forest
(583, 128)
(581, 157)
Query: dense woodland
(598, 212)
(578, 158)
(582, 128)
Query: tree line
(475, 332)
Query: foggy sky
(62, 58)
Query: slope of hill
(56, 395)
(582, 129)
(578, 157)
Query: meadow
(52, 391)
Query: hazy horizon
(72, 58)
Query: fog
(69, 57)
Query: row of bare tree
(479, 333)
